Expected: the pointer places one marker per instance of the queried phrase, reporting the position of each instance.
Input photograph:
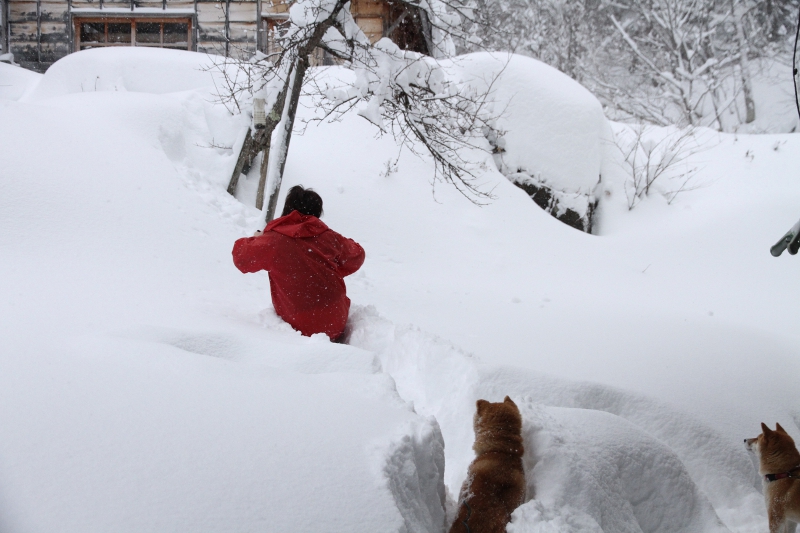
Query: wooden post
(227, 28)
(70, 26)
(237, 170)
(252, 145)
(283, 147)
(195, 36)
(259, 44)
(3, 19)
(39, 33)
(262, 178)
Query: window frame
(133, 20)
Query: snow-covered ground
(147, 385)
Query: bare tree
(652, 154)
(737, 18)
(409, 95)
(672, 43)
(562, 33)
(685, 62)
(413, 98)
(278, 80)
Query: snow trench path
(597, 458)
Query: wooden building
(39, 32)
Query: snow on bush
(653, 159)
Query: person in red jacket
(306, 262)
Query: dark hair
(306, 201)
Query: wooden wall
(371, 17)
(40, 32)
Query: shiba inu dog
(495, 483)
(779, 466)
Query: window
(164, 33)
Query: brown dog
(779, 464)
(495, 483)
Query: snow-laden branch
(412, 97)
(404, 93)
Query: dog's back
(495, 483)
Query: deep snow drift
(145, 384)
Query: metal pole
(71, 23)
(3, 27)
(195, 28)
(258, 25)
(794, 65)
(39, 32)
(227, 28)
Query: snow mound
(127, 68)
(597, 458)
(147, 437)
(594, 471)
(16, 81)
(550, 126)
(143, 386)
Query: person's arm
(252, 254)
(351, 258)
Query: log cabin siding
(39, 32)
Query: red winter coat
(306, 262)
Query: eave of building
(128, 11)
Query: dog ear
(764, 429)
(509, 400)
(480, 404)
(779, 428)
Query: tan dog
(495, 483)
(779, 464)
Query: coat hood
(297, 225)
